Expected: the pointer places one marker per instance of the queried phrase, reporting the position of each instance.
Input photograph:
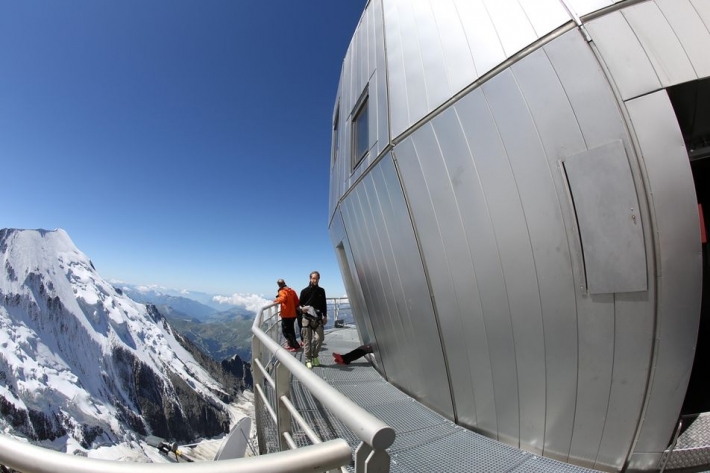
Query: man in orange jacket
(288, 299)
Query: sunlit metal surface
(491, 297)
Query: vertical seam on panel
(532, 252)
(507, 296)
(426, 273)
(483, 317)
(460, 314)
(652, 266)
(468, 41)
(493, 25)
(611, 387)
(707, 26)
(670, 25)
(660, 82)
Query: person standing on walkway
(315, 315)
(288, 299)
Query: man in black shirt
(312, 331)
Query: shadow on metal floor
(425, 440)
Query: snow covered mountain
(82, 362)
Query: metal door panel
(545, 15)
(691, 32)
(677, 228)
(483, 41)
(411, 290)
(633, 340)
(589, 93)
(511, 25)
(487, 277)
(514, 253)
(397, 88)
(459, 277)
(559, 132)
(457, 56)
(583, 7)
(609, 220)
(661, 44)
(623, 54)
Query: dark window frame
(361, 110)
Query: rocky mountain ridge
(82, 361)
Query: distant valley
(219, 333)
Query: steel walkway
(425, 440)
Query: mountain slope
(80, 359)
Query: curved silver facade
(520, 237)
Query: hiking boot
(309, 365)
(338, 358)
(316, 362)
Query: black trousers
(289, 331)
(359, 352)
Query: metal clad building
(513, 206)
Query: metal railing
(273, 367)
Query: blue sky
(179, 143)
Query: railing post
(258, 379)
(283, 416)
(368, 460)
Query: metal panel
(560, 135)
(380, 80)
(488, 278)
(514, 258)
(703, 9)
(599, 119)
(691, 32)
(609, 219)
(432, 58)
(623, 54)
(674, 203)
(550, 281)
(661, 44)
(397, 89)
(446, 257)
(413, 293)
(633, 340)
(596, 356)
(357, 300)
(459, 62)
(394, 283)
(511, 25)
(545, 15)
(391, 340)
(415, 82)
(483, 41)
(583, 7)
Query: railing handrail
(29, 458)
(366, 426)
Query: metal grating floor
(693, 447)
(425, 440)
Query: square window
(361, 141)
